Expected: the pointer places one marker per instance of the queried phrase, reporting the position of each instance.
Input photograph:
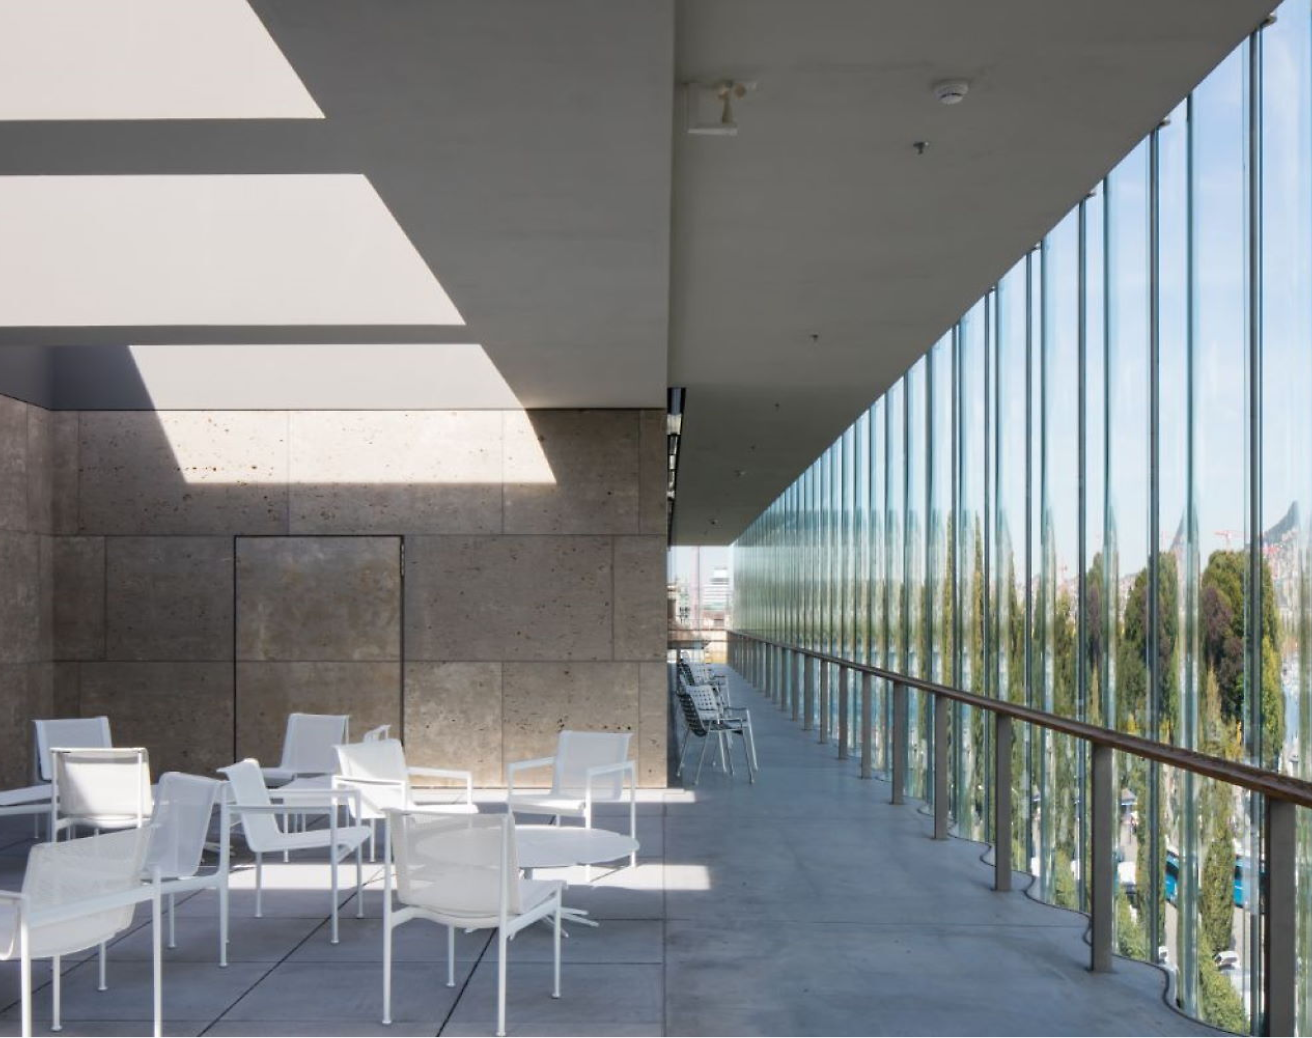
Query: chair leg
(450, 956)
(332, 857)
(751, 742)
(157, 965)
(747, 756)
(387, 970)
(706, 739)
(223, 921)
(55, 994)
(502, 948)
(103, 984)
(173, 921)
(686, 740)
(555, 990)
(359, 881)
(259, 885)
(25, 979)
(726, 750)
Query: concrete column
(844, 681)
(1102, 889)
(867, 726)
(1002, 802)
(941, 716)
(899, 743)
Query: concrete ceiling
(820, 220)
(533, 152)
(523, 146)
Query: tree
(1129, 934)
(1217, 907)
(1220, 1003)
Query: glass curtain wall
(1093, 495)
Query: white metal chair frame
(399, 791)
(616, 772)
(132, 817)
(702, 719)
(300, 761)
(30, 918)
(341, 840)
(507, 925)
(217, 880)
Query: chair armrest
(308, 797)
(11, 895)
(345, 781)
(454, 773)
(606, 769)
(524, 765)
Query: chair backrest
(576, 752)
(691, 717)
(74, 732)
(248, 790)
(380, 759)
(60, 874)
(374, 734)
(456, 865)
(181, 823)
(307, 747)
(703, 699)
(102, 786)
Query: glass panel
(1286, 433)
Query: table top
(555, 846)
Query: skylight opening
(260, 249)
(144, 59)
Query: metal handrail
(770, 666)
(1259, 780)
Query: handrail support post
(867, 725)
(1103, 864)
(844, 684)
(941, 716)
(899, 743)
(1280, 972)
(825, 669)
(1002, 833)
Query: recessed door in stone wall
(318, 629)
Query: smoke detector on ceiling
(709, 106)
(951, 91)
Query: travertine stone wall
(26, 524)
(476, 579)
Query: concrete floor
(804, 904)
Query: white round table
(558, 846)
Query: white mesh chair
(307, 747)
(379, 771)
(462, 872)
(588, 768)
(180, 825)
(99, 788)
(77, 731)
(254, 805)
(72, 732)
(77, 894)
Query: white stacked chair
(462, 872)
(307, 748)
(180, 826)
(77, 894)
(378, 770)
(75, 731)
(703, 720)
(99, 788)
(254, 805)
(587, 768)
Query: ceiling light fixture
(951, 91)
